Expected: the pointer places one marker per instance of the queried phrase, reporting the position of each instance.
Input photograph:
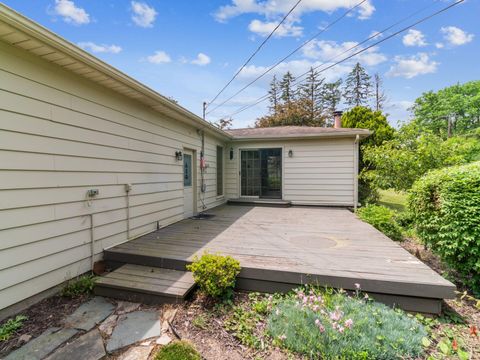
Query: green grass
(11, 326)
(79, 286)
(178, 350)
(394, 200)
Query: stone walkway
(96, 329)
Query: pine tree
(380, 97)
(286, 88)
(331, 95)
(274, 93)
(358, 87)
(310, 97)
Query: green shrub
(445, 205)
(215, 274)
(178, 350)
(79, 286)
(11, 326)
(382, 219)
(329, 325)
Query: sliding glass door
(261, 173)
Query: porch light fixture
(290, 153)
(231, 153)
(178, 155)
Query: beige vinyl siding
(320, 172)
(61, 135)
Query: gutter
(361, 135)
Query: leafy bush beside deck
(445, 205)
(382, 219)
(215, 274)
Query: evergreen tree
(358, 87)
(380, 97)
(310, 97)
(286, 88)
(274, 93)
(331, 95)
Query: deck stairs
(146, 284)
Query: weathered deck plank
(295, 245)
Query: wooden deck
(279, 248)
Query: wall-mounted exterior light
(178, 155)
(290, 153)
(231, 153)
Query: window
(219, 170)
(187, 170)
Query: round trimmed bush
(215, 274)
(445, 205)
(178, 350)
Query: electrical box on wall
(92, 193)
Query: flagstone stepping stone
(43, 345)
(88, 346)
(133, 327)
(107, 326)
(88, 315)
(136, 353)
(124, 307)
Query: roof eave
(362, 135)
(25, 25)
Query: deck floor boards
(330, 246)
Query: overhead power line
(255, 52)
(265, 97)
(289, 55)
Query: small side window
(219, 170)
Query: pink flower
(336, 315)
(357, 286)
(282, 337)
(348, 323)
(321, 328)
(341, 329)
(317, 321)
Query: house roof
(294, 132)
(28, 35)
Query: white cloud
(439, 45)
(456, 36)
(99, 48)
(275, 8)
(414, 38)
(329, 50)
(71, 13)
(143, 15)
(202, 60)
(375, 35)
(409, 67)
(265, 28)
(160, 57)
(296, 67)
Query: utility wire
(290, 54)
(265, 97)
(255, 52)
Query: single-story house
(91, 158)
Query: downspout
(128, 188)
(355, 172)
(92, 244)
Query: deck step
(260, 202)
(150, 285)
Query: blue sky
(189, 49)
